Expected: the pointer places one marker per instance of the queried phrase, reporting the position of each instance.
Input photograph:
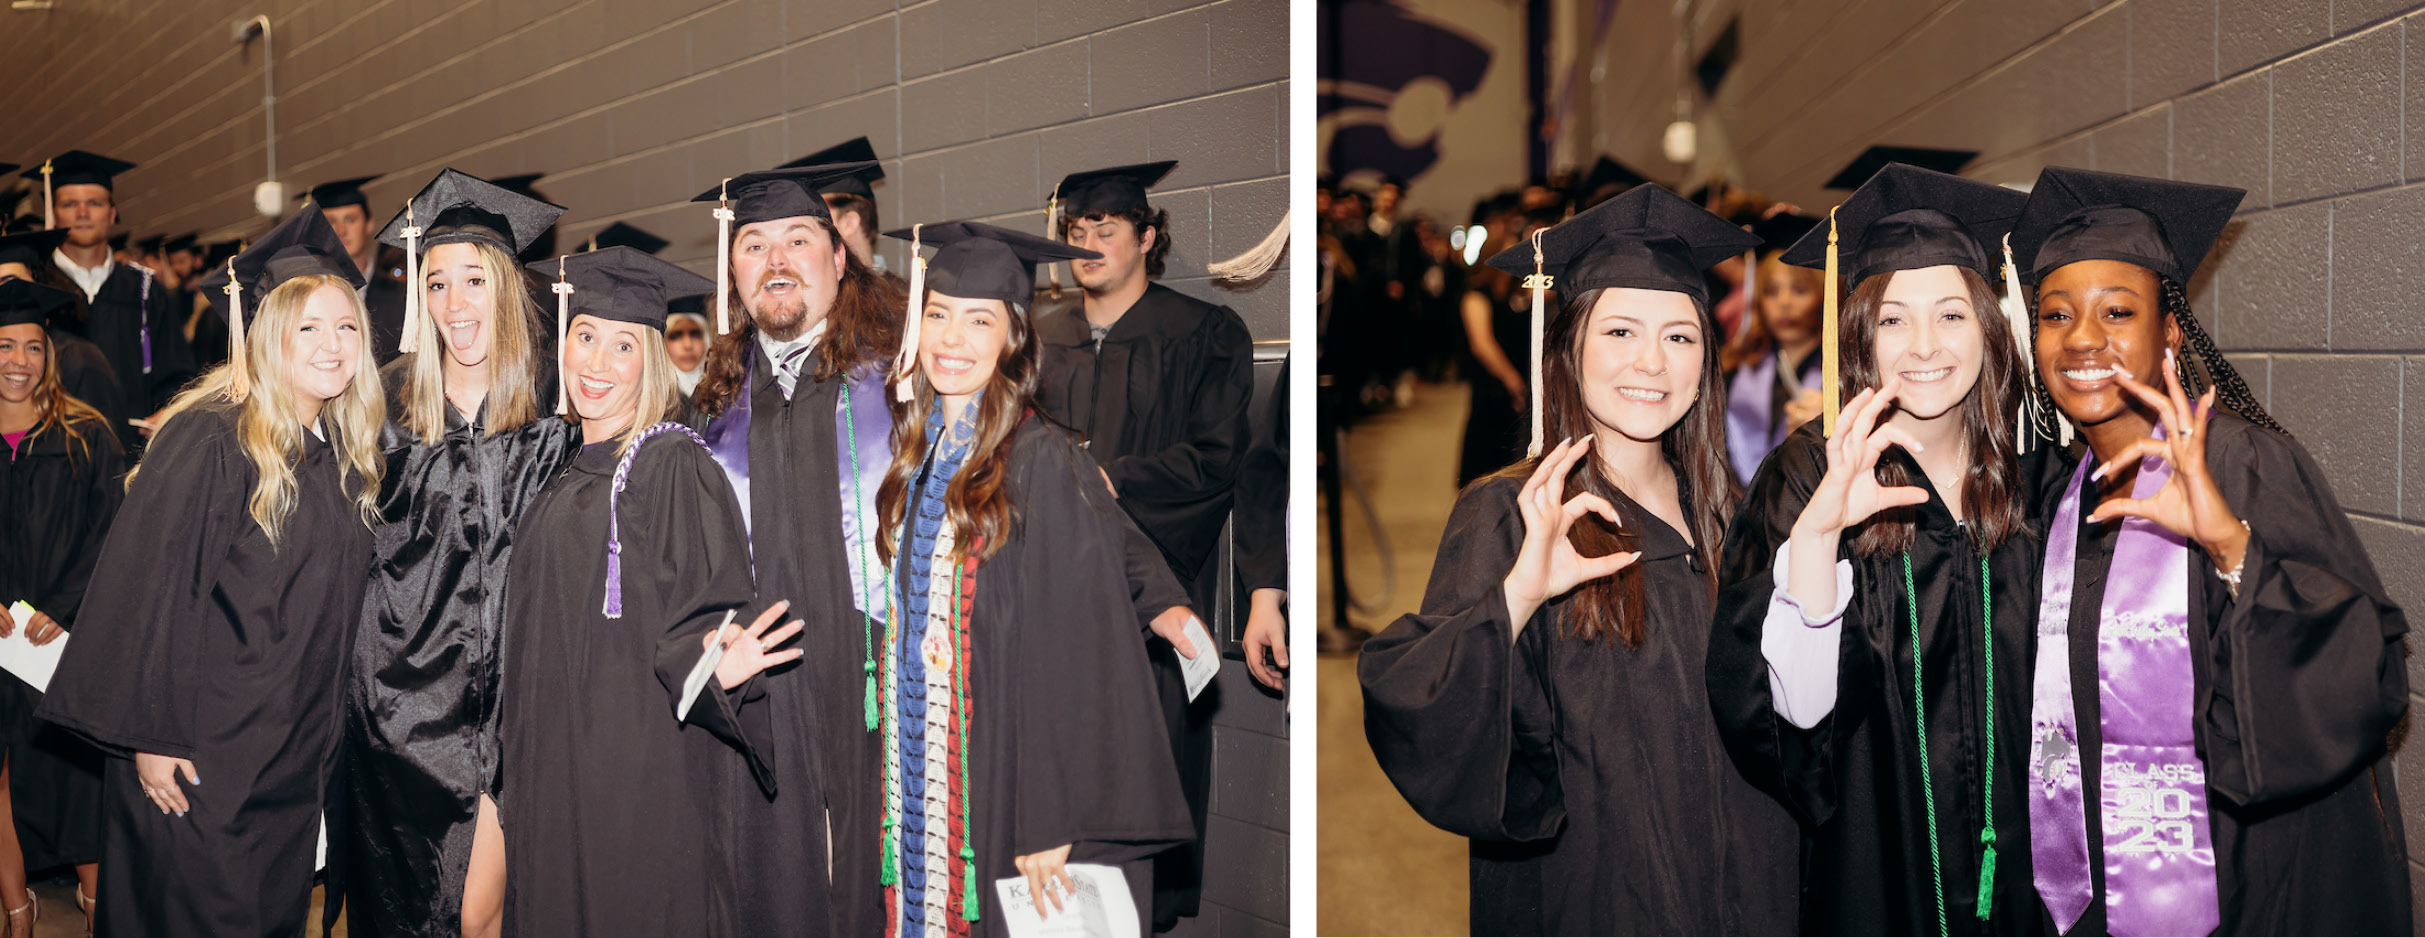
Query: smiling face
(86, 211)
(24, 353)
(787, 272)
(2094, 318)
(960, 344)
(324, 347)
(1929, 335)
(1641, 361)
(606, 358)
(461, 298)
(1123, 248)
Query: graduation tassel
(2016, 312)
(968, 882)
(239, 383)
(564, 295)
(1828, 328)
(48, 216)
(724, 256)
(413, 287)
(907, 361)
(890, 875)
(1052, 229)
(1987, 875)
(1539, 284)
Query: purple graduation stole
(1747, 416)
(143, 315)
(862, 438)
(2158, 851)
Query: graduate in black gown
(59, 488)
(1157, 383)
(348, 211)
(128, 312)
(472, 438)
(1548, 700)
(1851, 665)
(1016, 708)
(615, 778)
(215, 633)
(2214, 700)
(84, 373)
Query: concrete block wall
(633, 106)
(2313, 290)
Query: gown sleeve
(1262, 501)
(104, 479)
(1206, 460)
(1103, 783)
(1454, 707)
(697, 561)
(126, 682)
(2305, 675)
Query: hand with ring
(159, 775)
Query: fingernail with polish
(2099, 474)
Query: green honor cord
(1919, 708)
(867, 572)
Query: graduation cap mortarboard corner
(340, 193)
(624, 235)
(152, 245)
(302, 245)
(190, 241)
(468, 209)
(74, 168)
(1875, 158)
(31, 248)
(974, 261)
(762, 196)
(24, 302)
(621, 283)
(856, 150)
(1109, 191)
(1646, 239)
(1605, 172)
(2074, 215)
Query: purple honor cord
(614, 522)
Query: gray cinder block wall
(633, 106)
(2307, 105)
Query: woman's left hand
(1043, 870)
(2189, 504)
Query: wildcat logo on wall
(1390, 89)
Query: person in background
(348, 211)
(126, 312)
(686, 344)
(1772, 362)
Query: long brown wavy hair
(56, 411)
(864, 325)
(1991, 484)
(1695, 448)
(975, 504)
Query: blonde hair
(513, 357)
(659, 399)
(268, 424)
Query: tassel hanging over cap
(905, 363)
(1052, 229)
(564, 294)
(1539, 283)
(413, 287)
(239, 381)
(724, 256)
(1831, 391)
(2016, 313)
(1258, 260)
(49, 219)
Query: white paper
(706, 668)
(19, 655)
(320, 853)
(1102, 908)
(1200, 669)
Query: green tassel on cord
(1987, 876)
(968, 879)
(870, 668)
(891, 875)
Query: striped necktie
(787, 371)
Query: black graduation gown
(84, 373)
(421, 702)
(383, 298)
(1589, 775)
(609, 804)
(57, 496)
(1496, 431)
(131, 301)
(1162, 405)
(2298, 682)
(1072, 752)
(1262, 505)
(1854, 780)
(209, 644)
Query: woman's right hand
(1849, 493)
(750, 651)
(1547, 566)
(159, 775)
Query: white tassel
(2016, 313)
(239, 383)
(564, 294)
(48, 221)
(1539, 284)
(724, 256)
(1258, 260)
(906, 361)
(1052, 229)
(413, 287)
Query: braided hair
(2211, 368)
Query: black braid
(2230, 390)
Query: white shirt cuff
(1801, 649)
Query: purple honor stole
(863, 442)
(1747, 416)
(2158, 851)
(143, 315)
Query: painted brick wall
(632, 106)
(2305, 105)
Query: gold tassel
(239, 382)
(1539, 284)
(49, 220)
(1830, 391)
(413, 287)
(724, 256)
(564, 294)
(906, 362)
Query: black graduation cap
(300, 246)
(1907, 218)
(1779, 231)
(769, 194)
(189, 241)
(1646, 239)
(477, 210)
(31, 248)
(621, 283)
(7, 168)
(628, 236)
(1108, 191)
(856, 150)
(1606, 171)
(977, 261)
(151, 245)
(1875, 158)
(2079, 215)
(24, 302)
(78, 168)
(341, 193)
(217, 252)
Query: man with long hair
(1172, 458)
(127, 314)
